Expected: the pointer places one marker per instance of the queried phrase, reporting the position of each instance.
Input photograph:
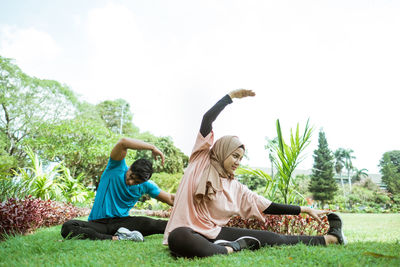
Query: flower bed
(284, 224)
(281, 224)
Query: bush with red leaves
(21, 216)
(284, 224)
(281, 224)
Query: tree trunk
(341, 180)
(348, 177)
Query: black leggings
(185, 242)
(106, 228)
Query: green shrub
(253, 182)
(365, 197)
(13, 188)
(167, 182)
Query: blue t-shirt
(114, 198)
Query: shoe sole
(123, 230)
(126, 232)
(341, 231)
(221, 241)
(250, 237)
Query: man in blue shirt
(119, 189)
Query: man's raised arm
(121, 148)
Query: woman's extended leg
(184, 242)
(85, 230)
(269, 238)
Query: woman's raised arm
(210, 116)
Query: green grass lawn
(374, 240)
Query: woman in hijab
(209, 195)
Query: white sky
(335, 62)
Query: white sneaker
(125, 234)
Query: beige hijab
(210, 181)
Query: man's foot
(336, 228)
(244, 242)
(125, 234)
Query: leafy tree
(323, 185)
(48, 117)
(27, 105)
(117, 116)
(82, 143)
(175, 159)
(7, 161)
(302, 183)
(390, 170)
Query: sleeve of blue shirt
(152, 189)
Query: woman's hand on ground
(240, 93)
(316, 214)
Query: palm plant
(41, 183)
(358, 174)
(271, 188)
(287, 157)
(72, 188)
(55, 183)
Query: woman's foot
(336, 228)
(244, 242)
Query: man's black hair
(143, 168)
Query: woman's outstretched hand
(240, 93)
(316, 214)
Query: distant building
(376, 178)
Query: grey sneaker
(125, 234)
(336, 228)
(244, 242)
